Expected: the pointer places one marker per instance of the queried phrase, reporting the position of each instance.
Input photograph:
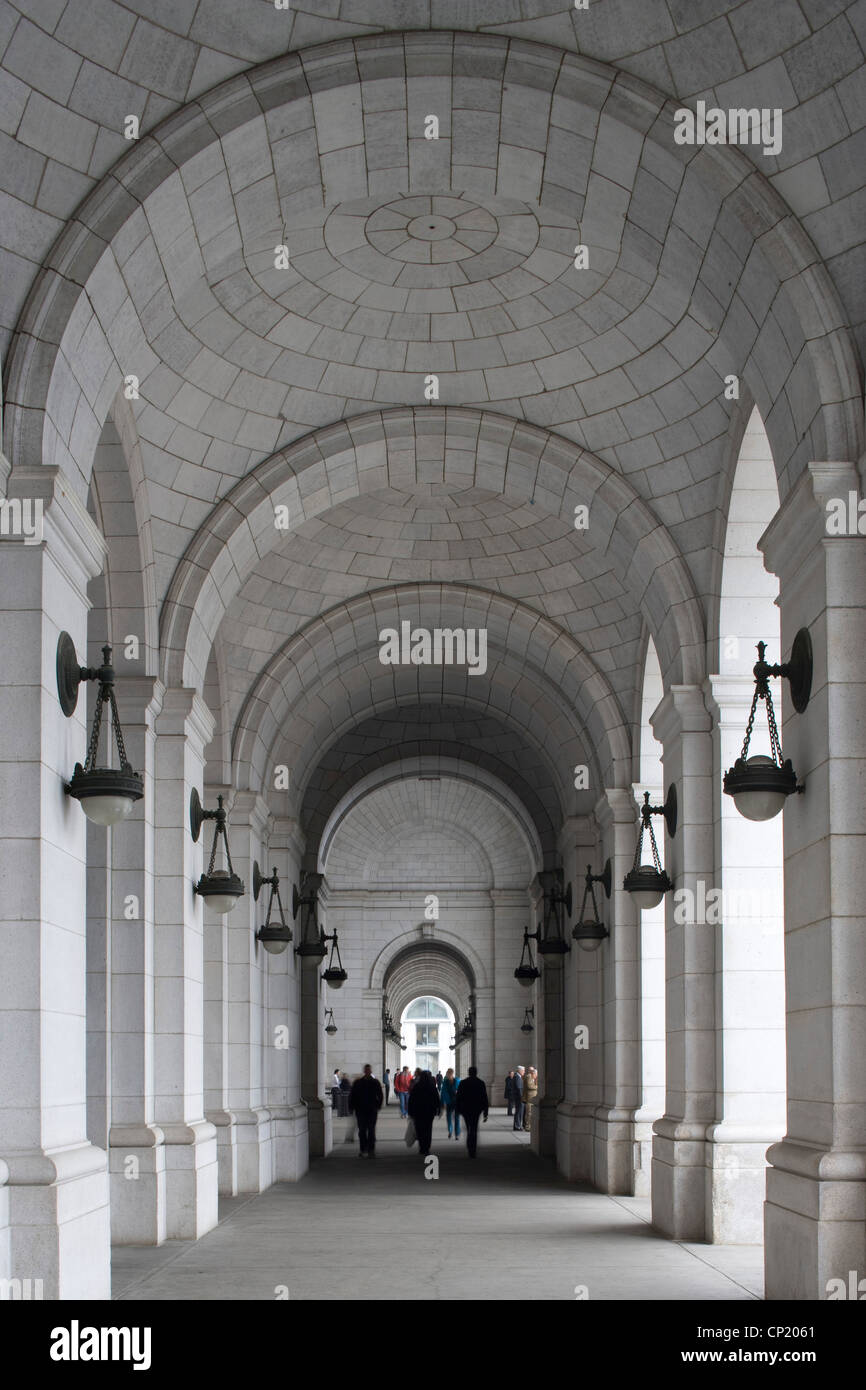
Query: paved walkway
(504, 1226)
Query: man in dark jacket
(509, 1091)
(365, 1099)
(517, 1085)
(424, 1105)
(471, 1103)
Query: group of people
(521, 1090)
(422, 1098)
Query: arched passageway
(431, 432)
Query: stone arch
(563, 692)
(64, 358)
(426, 766)
(486, 449)
(446, 944)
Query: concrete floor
(501, 1228)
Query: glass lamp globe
(274, 939)
(759, 786)
(589, 935)
(647, 886)
(220, 890)
(106, 795)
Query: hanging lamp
(220, 888)
(760, 785)
(589, 932)
(648, 883)
(106, 794)
(275, 937)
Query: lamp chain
(93, 746)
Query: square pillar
(136, 1152)
(55, 1196)
(234, 1057)
(614, 1119)
(747, 923)
(815, 1212)
(282, 1016)
(184, 727)
(682, 725)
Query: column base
(320, 1118)
(291, 1141)
(59, 1231)
(545, 1123)
(815, 1223)
(736, 1161)
(574, 1140)
(244, 1159)
(136, 1161)
(191, 1179)
(679, 1179)
(613, 1150)
(643, 1152)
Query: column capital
(616, 806)
(801, 521)
(727, 697)
(184, 713)
(681, 711)
(286, 833)
(70, 534)
(139, 697)
(249, 808)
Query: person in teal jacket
(449, 1098)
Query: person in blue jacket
(448, 1095)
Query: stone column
(510, 1000)
(136, 1153)
(56, 1190)
(184, 726)
(550, 1039)
(743, 912)
(614, 1150)
(682, 725)
(242, 1120)
(582, 1020)
(282, 1015)
(313, 1081)
(652, 1011)
(815, 1214)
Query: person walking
(401, 1090)
(509, 1091)
(530, 1091)
(517, 1084)
(386, 1083)
(471, 1103)
(365, 1100)
(343, 1097)
(439, 1082)
(424, 1106)
(448, 1097)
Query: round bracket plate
(606, 878)
(68, 674)
(296, 901)
(567, 900)
(196, 815)
(670, 810)
(257, 880)
(800, 674)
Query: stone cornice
(184, 712)
(72, 537)
(682, 711)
